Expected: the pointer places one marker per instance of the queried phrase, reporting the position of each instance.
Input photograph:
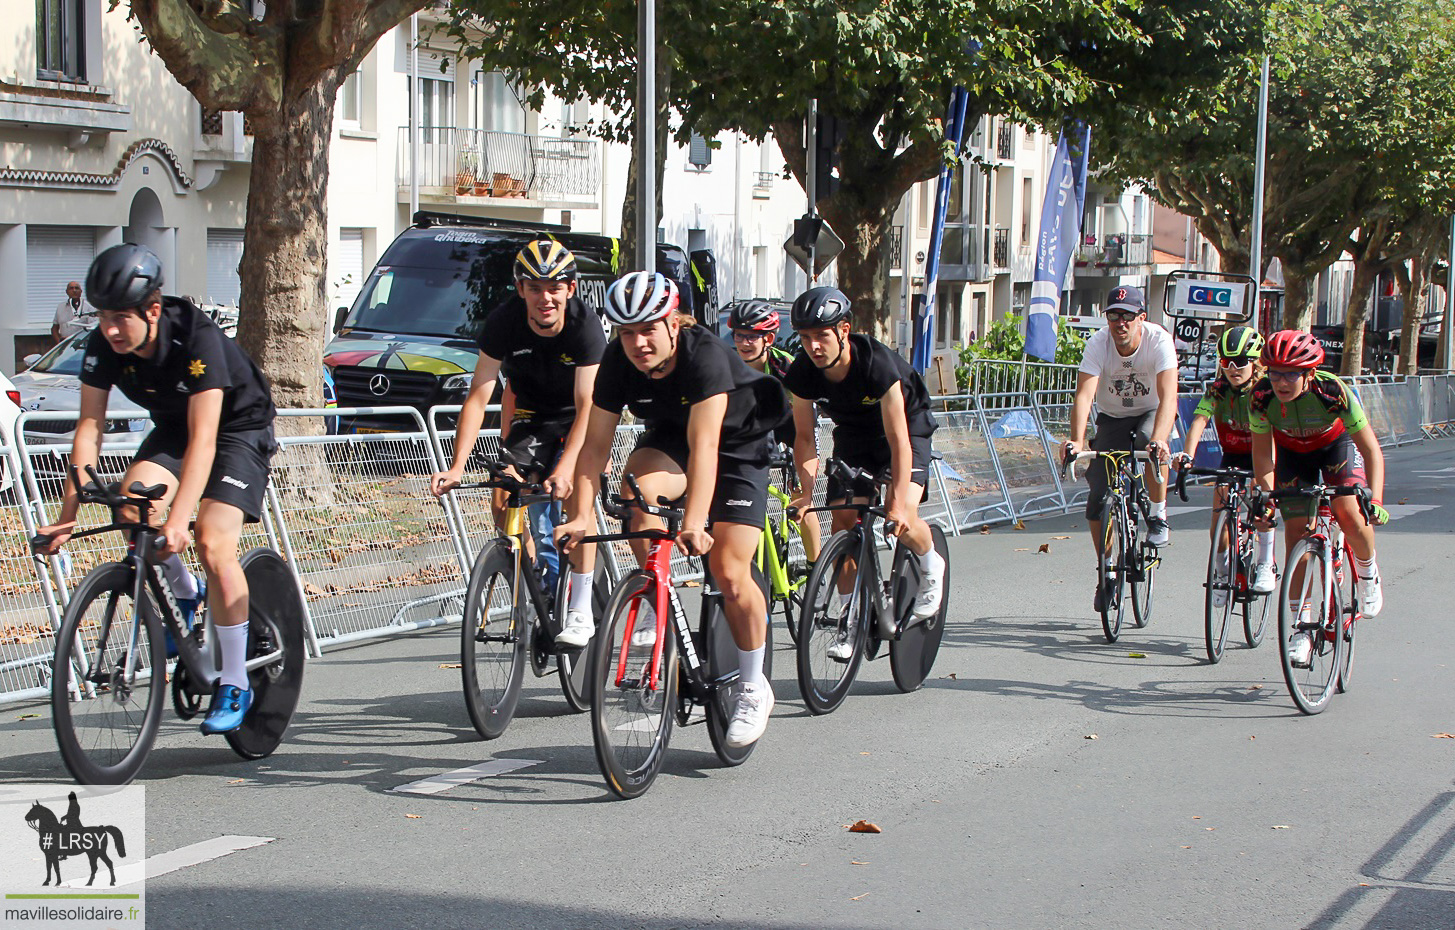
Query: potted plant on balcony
(467, 180)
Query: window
(60, 50)
(350, 101)
(224, 251)
(54, 256)
(498, 105)
(347, 271)
(1027, 196)
(699, 153)
(436, 108)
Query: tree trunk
(1411, 283)
(284, 263)
(1297, 313)
(629, 260)
(864, 263)
(1356, 315)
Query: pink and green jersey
(1317, 417)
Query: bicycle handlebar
(1364, 496)
(1069, 462)
(1224, 475)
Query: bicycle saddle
(151, 493)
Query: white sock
(844, 597)
(183, 582)
(232, 641)
(1366, 569)
(1159, 509)
(931, 561)
(580, 598)
(1265, 547)
(750, 665)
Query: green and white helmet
(1240, 342)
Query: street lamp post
(647, 134)
(1256, 231)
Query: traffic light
(827, 136)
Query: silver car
(53, 384)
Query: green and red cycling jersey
(1311, 421)
(1228, 407)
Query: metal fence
(377, 555)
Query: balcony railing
(763, 183)
(486, 163)
(1000, 256)
(212, 123)
(1117, 250)
(1005, 140)
(895, 243)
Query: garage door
(346, 269)
(224, 251)
(54, 256)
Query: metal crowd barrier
(377, 555)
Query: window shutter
(698, 153)
(224, 251)
(54, 257)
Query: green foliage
(1005, 341)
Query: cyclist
(708, 418)
(1130, 370)
(548, 344)
(1225, 402)
(1319, 429)
(754, 325)
(211, 444)
(882, 421)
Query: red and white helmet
(1293, 348)
(640, 297)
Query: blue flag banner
(924, 336)
(1060, 233)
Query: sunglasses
(1287, 377)
(1121, 316)
(748, 336)
(1237, 362)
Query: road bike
(1128, 560)
(1319, 601)
(878, 610)
(509, 620)
(650, 668)
(1230, 560)
(110, 662)
(781, 556)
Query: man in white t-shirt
(73, 315)
(1130, 370)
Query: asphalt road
(1041, 778)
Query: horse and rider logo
(66, 837)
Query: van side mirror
(31, 359)
(338, 319)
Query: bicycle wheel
(1143, 579)
(574, 665)
(1256, 607)
(1346, 598)
(826, 620)
(494, 637)
(1304, 611)
(1221, 582)
(912, 655)
(275, 624)
(1112, 573)
(104, 737)
(720, 662)
(784, 537)
(631, 721)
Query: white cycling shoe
(1301, 651)
(1265, 581)
(578, 630)
(931, 588)
(1371, 597)
(750, 715)
(842, 650)
(1219, 592)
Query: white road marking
(1396, 511)
(437, 783)
(637, 726)
(1181, 509)
(1437, 471)
(196, 854)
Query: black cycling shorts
(741, 493)
(870, 452)
(1338, 464)
(1114, 434)
(239, 470)
(533, 445)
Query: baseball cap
(1126, 298)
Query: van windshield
(447, 302)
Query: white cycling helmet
(640, 297)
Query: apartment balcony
(1000, 253)
(223, 136)
(78, 111)
(1023, 265)
(1113, 253)
(1005, 141)
(894, 242)
(515, 169)
(763, 182)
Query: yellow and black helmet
(545, 260)
(1240, 342)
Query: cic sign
(1201, 299)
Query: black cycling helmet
(759, 316)
(545, 260)
(1240, 342)
(818, 307)
(123, 276)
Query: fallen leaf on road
(857, 862)
(1136, 655)
(1060, 537)
(1187, 847)
(26, 716)
(864, 826)
(312, 590)
(863, 753)
(412, 816)
(985, 531)
(1209, 829)
(1090, 736)
(691, 584)
(1196, 816)
(449, 665)
(1404, 500)
(1256, 688)
(1045, 547)
(1282, 826)
(950, 676)
(1023, 550)
(1019, 525)
(862, 896)
(1435, 736)
(237, 781)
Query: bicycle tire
(105, 739)
(1348, 605)
(1143, 579)
(719, 654)
(912, 655)
(495, 633)
(631, 724)
(1303, 582)
(574, 665)
(824, 682)
(1113, 528)
(275, 621)
(790, 602)
(1221, 578)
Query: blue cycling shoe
(188, 606)
(230, 705)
